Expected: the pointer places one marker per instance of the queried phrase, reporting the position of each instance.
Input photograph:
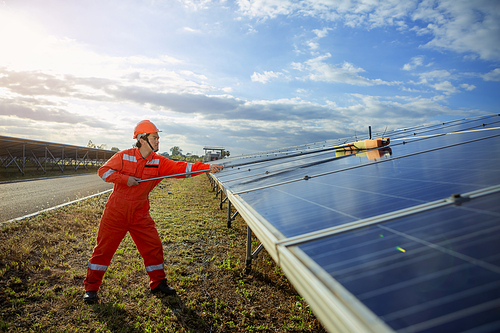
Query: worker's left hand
(214, 168)
(132, 181)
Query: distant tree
(92, 145)
(176, 151)
(226, 153)
(115, 149)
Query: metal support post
(62, 159)
(85, 157)
(222, 201)
(248, 263)
(13, 159)
(250, 255)
(76, 161)
(37, 162)
(55, 161)
(229, 214)
(24, 157)
(229, 217)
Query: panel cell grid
(374, 189)
(401, 238)
(425, 272)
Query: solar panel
(436, 270)
(17, 151)
(401, 238)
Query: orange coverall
(127, 210)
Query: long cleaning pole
(175, 175)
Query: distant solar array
(16, 152)
(401, 238)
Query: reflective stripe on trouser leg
(95, 273)
(154, 268)
(110, 234)
(150, 247)
(96, 267)
(156, 275)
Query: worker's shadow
(185, 315)
(114, 316)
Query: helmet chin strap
(147, 140)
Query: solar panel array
(401, 238)
(17, 151)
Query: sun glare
(20, 42)
(26, 46)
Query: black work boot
(90, 297)
(163, 288)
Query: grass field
(43, 264)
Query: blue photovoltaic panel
(374, 189)
(432, 269)
(437, 271)
(266, 173)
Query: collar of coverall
(148, 158)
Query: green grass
(43, 264)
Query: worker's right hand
(132, 181)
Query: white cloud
(494, 75)
(191, 30)
(196, 4)
(434, 75)
(267, 8)
(445, 86)
(264, 78)
(190, 73)
(313, 43)
(414, 63)
(461, 26)
(346, 73)
(382, 111)
(468, 87)
(321, 33)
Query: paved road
(23, 198)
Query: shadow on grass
(114, 316)
(186, 316)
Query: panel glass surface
(436, 271)
(245, 177)
(377, 188)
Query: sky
(245, 75)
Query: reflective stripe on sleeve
(107, 174)
(96, 267)
(188, 169)
(154, 267)
(129, 158)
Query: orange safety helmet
(145, 126)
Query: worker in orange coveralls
(127, 209)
